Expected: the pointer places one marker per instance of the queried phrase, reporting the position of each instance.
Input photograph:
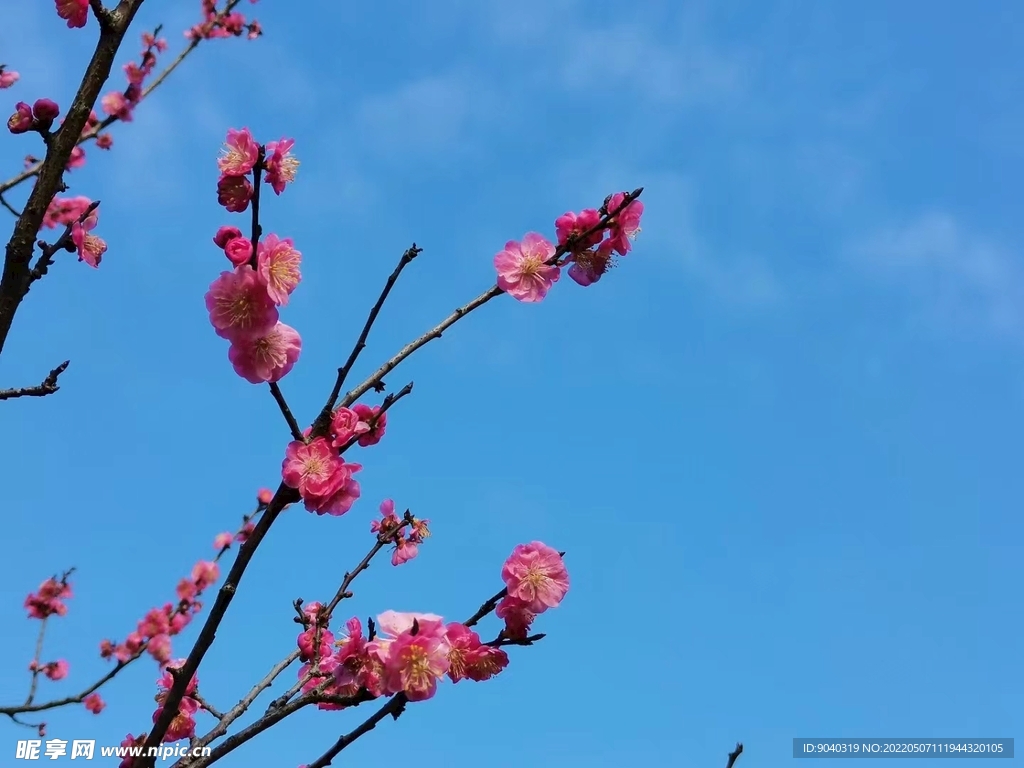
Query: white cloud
(956, 277)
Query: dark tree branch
(15, 279)
(734, 754)
(47, 387)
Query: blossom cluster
(223, 24)
(121, 104)
(412, 652)
(527, 269)
(183, 725)
(152, 635)
(406, 535)
(243, 302)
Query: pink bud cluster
(414, 651)
(219, 24)
(49, 599)
(528, 269)
(392, 530)
(37, 117)
(121, 104)
(154, 631)
(65, 211)
(243, 303)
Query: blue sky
(780, 443)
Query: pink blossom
(234, 193)
(21, 121)
(94, 703)
(346, 424)
(470, 658)
(239, 153)
(371, 435)
(588, 266)
(8, 77)
(155, 622)
(342, 500)
(128, 742)
(245, 532)
(56, 670)
(575, 224)
(75, 12)
(76, 159)
(516, 616)
(278, 267)
(225, 235)
(314, 469)
(239, 251)
(116, 105)
(281, 165)
(269, 357)
(416, 662)
(90, 247)
(404, 551)
(264, 496)
(49, 599)
(104, 141)
(223, 540)
(45, 111)
(159, 646)
(65, 210)
(205, 574)
(626, 225)
(183, 726)
(308, 637)
(239, 305)
(522, 271)
(394, 623)
(536, 576)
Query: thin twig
(734, 754)
(293, 425)
(343, 372)
(47, 387)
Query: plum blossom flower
(575, 224)
(116, 105)
(535, 575)
(90, 247)
(281, 165)
(626, 225)
(266, 358)
(239, 154)
(470, 658)
(370, 435)
(234, 193)
(22, 120)
(74, 12)
(238, 250)
(56, 670)
(588, 266)
(278, 267)
(346, 424)
(94, 703)
(239, 305)
(517, 617)
(522, 271)
(49, 599)
(8, 77)
(314, 469)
